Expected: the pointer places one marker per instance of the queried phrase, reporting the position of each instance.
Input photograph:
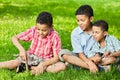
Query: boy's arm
(24, 36)
(83, 57)
(115, 54)
(116, 45)
(92, 66)
(17, 44)
(51, 61)
(43, 65)
(96, 58)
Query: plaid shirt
(112, 44)
(41, 47)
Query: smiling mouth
(94, 38)
(42, 35)
(81, 27)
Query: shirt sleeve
(76, 45)
(116, 44)
(27, 35)
(93, 50)
(56, 44)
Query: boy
(82, 41)
(108, 47)
(43, 52)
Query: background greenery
(18, 15)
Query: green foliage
(18, 15)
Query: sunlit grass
(18, 15)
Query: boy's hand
(97, 59)
(106, 54)
(23, 55)
(92, 67)
(39, 69)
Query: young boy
(108, 47)
(82, 41)
(45, 46)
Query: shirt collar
(91, 33)
(81, 31)
(105, 40)
(50, 33)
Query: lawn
(18, 15)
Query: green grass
(18, 15)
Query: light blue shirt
(111, 45)
(81, 42)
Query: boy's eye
(96, 32)
(82, 20)
(44, 29)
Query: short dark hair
(102, 24)
(85, 10)
(45, 18)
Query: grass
(18, 15)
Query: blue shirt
(111, 45)
(81, 41)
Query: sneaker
(119, 67)
(100, 68)
(106, 68)
(66, 63)
(76, 67)
(21, 68)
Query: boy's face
(43, 29)
(98, 34)
(84, 21)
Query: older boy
(108, 47)
(44, 48)
(82, 41)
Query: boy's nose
(40, 32)
(79, 23)
(93, 35)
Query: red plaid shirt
(41, 47)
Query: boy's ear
(91, 19)
(105, 33)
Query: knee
(65, 57)
(62, 66)
(98, 60)
(109, 60)
(64, 53)
(113, 59)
